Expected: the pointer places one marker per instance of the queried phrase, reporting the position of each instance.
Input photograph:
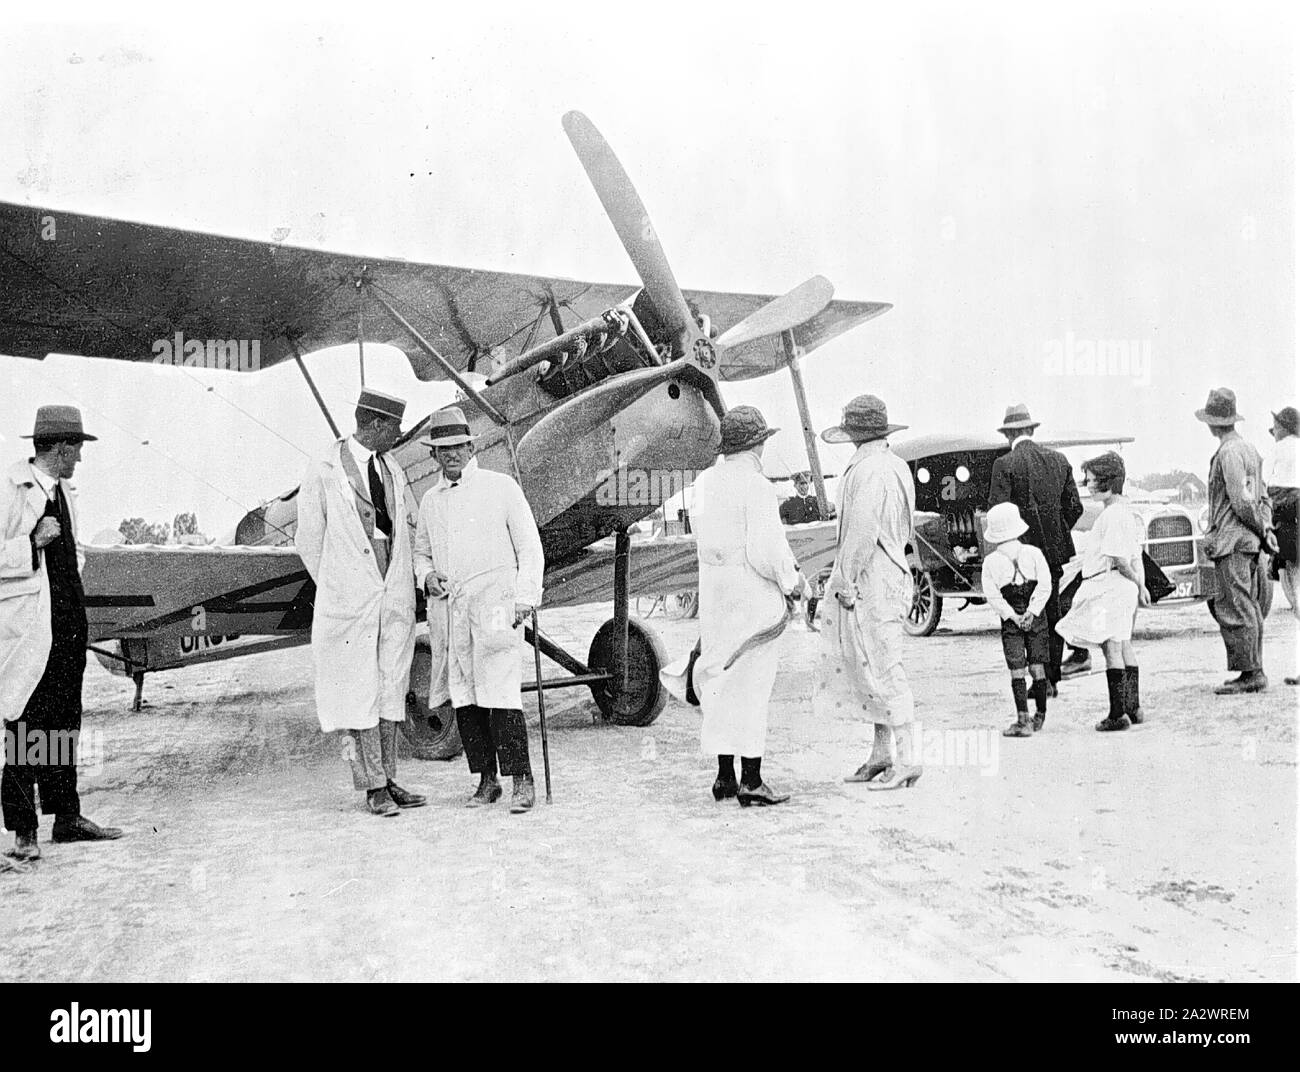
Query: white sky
(1011, 180)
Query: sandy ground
(1164, 853)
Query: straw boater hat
(742, 428)
(1220, 409)
(1287, 419)
(1004, 523)
(865, 418)
(1017, 417)
(448, 428)
(59, 422)
(378, 402)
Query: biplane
(563, 382)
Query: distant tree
(1154, 481)
(185, 525)
(138, 530)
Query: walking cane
(541, 703)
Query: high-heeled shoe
(898, 778)
(869, 771)
(725, 788)
(760, 795)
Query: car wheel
(927, 605)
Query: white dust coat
(24, 591)
(480, 537)
(746, 571)
(363, 627)
(862, 654)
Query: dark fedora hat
(743, 427)
(1017, 417)
(59, 422)
(863, 419)
(1288, 418)
(1220, 408)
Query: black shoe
(1255, 681)
(381, 803)
(1039, 718)
(1110, 724)
(760, 795)
(488, 792)
(1051, 690)
(25, 847)
(79, 828)
(1136, 716)
(403, 799)
(1077, 664)
(725, 788)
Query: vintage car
(953, 472)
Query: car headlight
(1203, 520)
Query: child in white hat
(1017, 584)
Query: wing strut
(446, 366)
(805, 419)
(297, 356)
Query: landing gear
(642, 696)
(431, 733)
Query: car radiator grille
(1182, 551)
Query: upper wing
(98, 287)
(766, 355)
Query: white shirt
(1000, 568)
(1280, 472)
(46, 482)
(1118, 532)
(362, 455)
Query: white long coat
(746, 570)
(24, 592)
(481, 537)
(862, 648)
(363, 627)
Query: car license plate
(1183, 590)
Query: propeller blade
(628, 214)
(781, 314)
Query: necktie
(383, 522)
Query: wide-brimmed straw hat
(742, 428)
(1288, 418)
(1016, 418)
(448, 428)
(863, 419)
(59, 422)
(1004, 523)
(1220, 409)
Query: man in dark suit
(1041, 484)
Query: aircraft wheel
(645, 696)
(927, 605)
(432, 734)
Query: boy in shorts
(1017, 584)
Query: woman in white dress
(1112, 589)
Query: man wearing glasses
(478, 557)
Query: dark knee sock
(727, 768)
(1115, 687)
(750, 775)
(1131, 689)
(1019, 692)
(1039, 691)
